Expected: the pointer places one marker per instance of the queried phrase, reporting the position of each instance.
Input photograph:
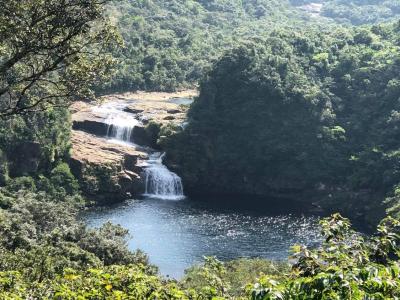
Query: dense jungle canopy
(298, 100)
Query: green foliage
(355, 12)
(35, 142)
(51, 52)
(281, 112)
(213, 273)
(98, 178)
(116, 282)
(231, 277)
(302, 114)
(170, 45)
(41, 237)
(347, 266)
(59, 184)
(61, 178)
(361, 12)
(109, 244)
(21, 183)
(260, 115)
(4, 172)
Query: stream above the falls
(177, 234)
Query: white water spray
(120, 126)
(161, 183)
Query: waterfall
(120, 126)
(161, 183)
(119, 123)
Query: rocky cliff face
(110, 170)
(107, 171)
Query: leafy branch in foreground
(51, 52)
(64, 265)
(347, 266)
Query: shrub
(62, 176)
(236, 274)
(25, 183)
(347, 266)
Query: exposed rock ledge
(159, 108)
(87, 119)
(107, 171)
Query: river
(177, 232)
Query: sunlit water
(177, 234)
(181, 101)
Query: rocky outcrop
(86, 119)
(158, 110)
(155, 108)
(107, 172)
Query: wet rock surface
(110, 170)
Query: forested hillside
(169, 45)
(299, 112)
(295, 103)
(356, 12)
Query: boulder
(139, 135)
(91, 126)
(156, 107)
(130, 161)
(85, 118)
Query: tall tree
(51, 52)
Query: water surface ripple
(177, 234)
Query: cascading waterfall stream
(160, 183)
(119, 123)
(120, 127)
